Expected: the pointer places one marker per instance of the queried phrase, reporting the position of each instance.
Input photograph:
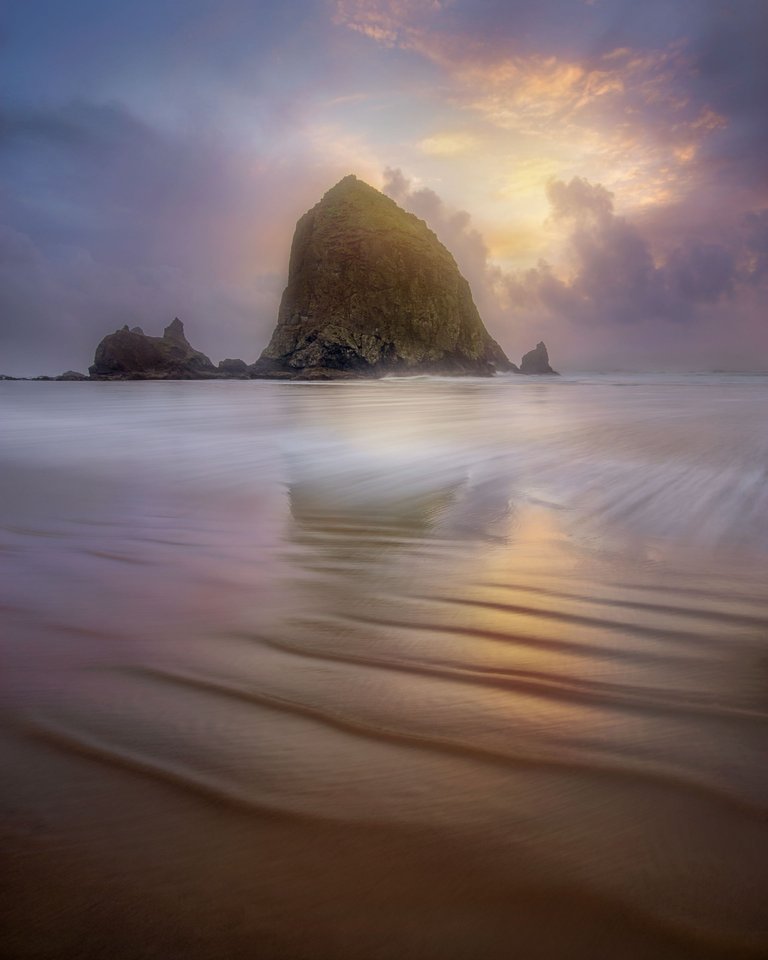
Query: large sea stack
(372, 291)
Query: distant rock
(537, 361)
(372, 291)
(131, 354)
(233, 368)
(174, 331)
(72, 375)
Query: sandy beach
(400, 669)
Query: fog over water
(398, 669)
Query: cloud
(727, 51)
(612, 274)
(76, 125)
(654, 101)
(756, 229)
(110, 220)
(622, 116)
(447, 144)
(579, 200)
(701, 273)
(611, 297)
(390, 22)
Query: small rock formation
(233, 368)
(130, 354)
(372, 291)
(537, 361)
(72, 375)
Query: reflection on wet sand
(394, 699)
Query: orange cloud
(620, 118)
(390, 22)
(448, 144)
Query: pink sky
(596, 169)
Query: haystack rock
(537, 361)
(131, 354)
(372, 291)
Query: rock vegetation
(372, 291)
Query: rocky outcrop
(372, 291)
(72, 375)
(131, 354)
(537, 361)
(233, 368)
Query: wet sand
(421, 669)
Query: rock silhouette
(128, 354)
(233, 368)
(537, 361)
(372, 291)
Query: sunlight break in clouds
(619, 117)
(448, 144)
(613, 273)
(598, 171)
(601, 115)
(607, 288)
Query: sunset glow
(156, 162)
(383, 461)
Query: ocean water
(403, 669)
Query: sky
(597, 167)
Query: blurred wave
(423, 668)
